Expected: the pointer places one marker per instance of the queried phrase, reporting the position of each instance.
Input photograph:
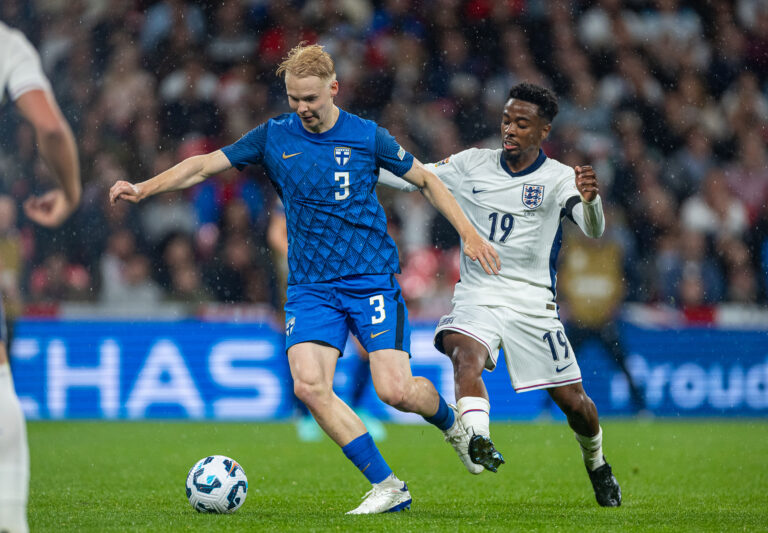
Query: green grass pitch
(704, 475)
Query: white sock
(592, 449)
(474, 412)
(14, 458)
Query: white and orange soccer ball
(216, 484)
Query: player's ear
(334, 88)
(545, 131)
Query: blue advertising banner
(210, 370)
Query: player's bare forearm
(59, 151)
(475, 247)
(186, 174)
(440, 197)
(55, 140)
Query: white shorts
(536, 350)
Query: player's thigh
(480, 323)
(537, 352)
(313, 364)
(314, 314)
(377, 313)
(389, 367)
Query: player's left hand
(586, 182)
(50, 209)
(478, 249)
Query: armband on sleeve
(589, 217)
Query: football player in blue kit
(342, 263)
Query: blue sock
(366, 457)
(443, 418)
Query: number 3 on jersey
(343, 179)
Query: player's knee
(466, 362)
(577, 403)
(310, 393)
(394, 394)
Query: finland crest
(533, 195)
(342, 155)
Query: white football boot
(457, 437)
(389, 496)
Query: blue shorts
(369, 305)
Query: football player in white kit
(517, 198)
(22, 77)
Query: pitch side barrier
(75, 368)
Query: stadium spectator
(186, 285)
(134, 290)
(687, 261)
(715, 211)
(685, 170)
(747, 175)
(121, 245)
(169, 16)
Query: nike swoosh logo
(558, 369)
(291, 155)
(475, 191)
(374, 335)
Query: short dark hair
(540, 96)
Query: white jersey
(20, 68)
(520, 214)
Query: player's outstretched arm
(434, 190)
(589, 214)
(390, 180)
(57, 147)
(189, 172)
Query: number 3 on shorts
(378, 303)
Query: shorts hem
(289, 343)
(468, 334)
(547, 385)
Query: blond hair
(308, 60)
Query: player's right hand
(478, 249)
(122, 190)
(50, 209)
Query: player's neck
(518, 164)
(327, 123)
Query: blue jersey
(327, 182)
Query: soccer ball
(216, 484)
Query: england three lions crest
(342, 155)
(533, 195)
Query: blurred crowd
(667, 99)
